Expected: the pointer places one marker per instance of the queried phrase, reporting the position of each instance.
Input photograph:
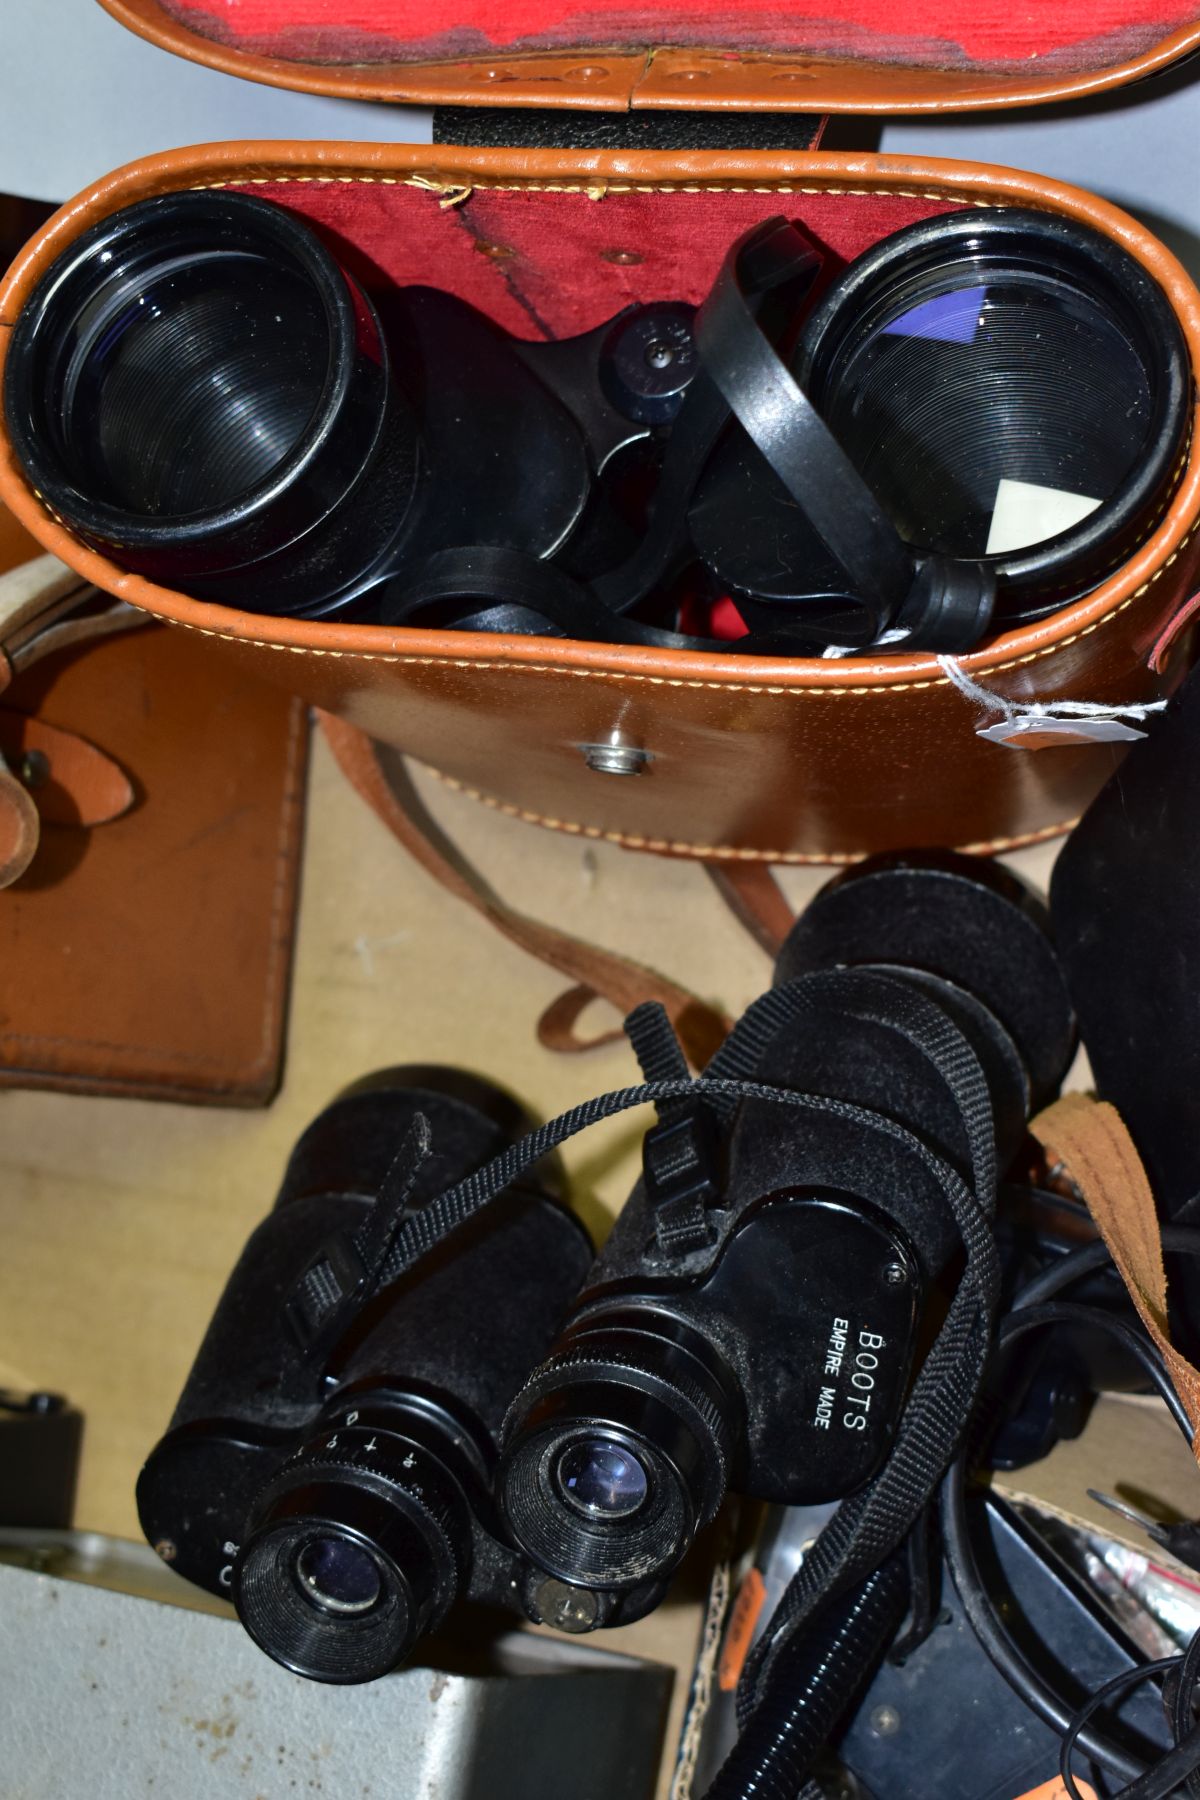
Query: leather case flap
(858, 56)
(151, 954)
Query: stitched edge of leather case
(447, 171)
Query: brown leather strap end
(71, 782)
(44, 606)
(755, 899)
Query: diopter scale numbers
(367, 1447)
(414, 1473)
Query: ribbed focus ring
(629, 1386)
(400, 1467)
(389, 1502)
(592, 1363)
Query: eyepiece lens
(601, 1479)
(338, 1576)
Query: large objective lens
(187, 389)
(198, 385)
(1013, 388)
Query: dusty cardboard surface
(121, 1219)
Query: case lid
(855, 56)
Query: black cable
(1119, 1684)
(1068, 1312)
(976, 1602)
(1189, 1670)
(1183, 1711)
(1164, 1777)
(999, 1646)
(922, 1587)
(1068, 1269)
(1178, 1765)
(1179, 1240)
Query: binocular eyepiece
(977, 419)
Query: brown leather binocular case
(735, 758)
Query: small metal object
(1180, 1539)
(615, 758)
(894, 1274)
(885, 1721)
(166, 1550)
(1142, 1520)
(649, 361)
(566, 1608)
(35, 768)
(39, 1403)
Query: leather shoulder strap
(1090, 1139)
(380, 776)
(755, 899)
(44, 606)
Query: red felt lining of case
(979, 34)
(547, 264)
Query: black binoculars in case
(965, 431)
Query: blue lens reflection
(602, 1478)
(952, 318)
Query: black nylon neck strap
(680, 1156)
(867, 1527)
(352, 1267)
(348, 1268)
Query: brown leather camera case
(746, 759)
